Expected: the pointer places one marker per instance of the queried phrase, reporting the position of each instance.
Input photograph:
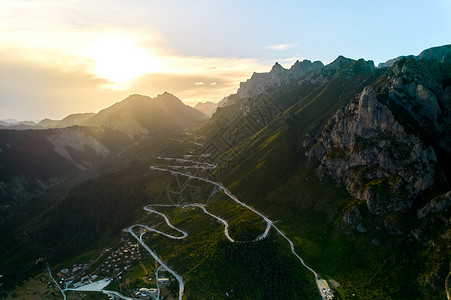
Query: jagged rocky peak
(340, 62)
(441, 54)
(300, 68)
(389, 63)
(137, 99)
(421, 90)
(306, 66)
(363, 147)
(278, 75)
(168, 97)
(277, 68)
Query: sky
(62, 57)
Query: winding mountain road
(226, 225)
(149, 208)
(155, 256)
(56, 283)
(234, 198)
(184, 234)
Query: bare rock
(278, 75)
(366, 149)
(436, 205)
(353, 219)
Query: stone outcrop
(419, 90)
(435, 205)
(440, 53)
(353, 219)
(278, 75)
(367, 150)
(74, 139)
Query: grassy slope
(274, 176)
(279, 181)
(213, 266)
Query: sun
(119, 59)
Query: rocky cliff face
(367, 150)
(34, 161)
(421, 91)
(75, 140)
(384, 145)
(278, 75)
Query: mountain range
(352, 160)
(32, 161)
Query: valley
(318, 181)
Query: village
(113, 265)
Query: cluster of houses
(151, 293)
(145, 293)
(122, 258)
(115, 263)
(69, 274)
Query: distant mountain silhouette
(139, 116)
(207, 108)
(32, 161)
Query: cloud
(53, 91)
(55, 61)
(34, 91)
(281, 47)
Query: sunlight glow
(119, 59)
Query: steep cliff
(259, 82)
(367, 150)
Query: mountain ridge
(138, 116)
(351, 160)
(406, 111)
(80, 148)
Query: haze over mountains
(36, 160)
(353, 162)
(134, 107)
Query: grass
(271, 173)
(206, 253)
(286, 188)
(39, 287)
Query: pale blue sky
(60, 57)
(377, 30)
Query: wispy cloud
(281, 47)
(64, 62)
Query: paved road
(184, 234)
(155, 256)
(156, 282)
(57, 285)
(197, 164)
(151, 210)
(117, 294)
(268, 221)
(227, 192)
(226, 225)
